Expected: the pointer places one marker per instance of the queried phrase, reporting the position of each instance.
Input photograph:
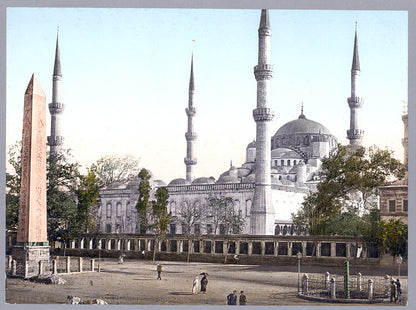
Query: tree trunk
(226, 252)
(189, 249)
(155, 247)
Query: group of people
(200, 285)
(395, 290)
(232, 298)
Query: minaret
(355, 134)
(262, 211)
(405, 140)
(56, 107)
(190, 135)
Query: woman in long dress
(195, 286)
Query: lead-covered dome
(302, 125)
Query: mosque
(278, 172)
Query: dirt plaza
(134, 283)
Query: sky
(126, 76)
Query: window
(172, 229)
(118, 209)
(392, 205)
(282, 162)
(405, 203)
(209, 229)
(108, 228)
(196, 229)
(294, 163)
(108, 210)
(275, 162)
(288, 162)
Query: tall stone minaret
(405, 140)
(355, 133)
(56, 107)
(262, 211)
(190, 135)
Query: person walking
(393, 291)
(399, 288)
(232, 298)
(204, 283)
(242, 299)
(195, 286)
(159, 271)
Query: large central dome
(302, 125)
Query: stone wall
(392, 202)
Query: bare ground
(134, 283)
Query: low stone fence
(56, 265)
(314, 250)
(332, 288)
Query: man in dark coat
(204, 283)
(232, 298)
(242, 299)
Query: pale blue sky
(126, 75)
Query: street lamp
(399, 260)
(299, 255)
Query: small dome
(203, 180)
(159, 183)
(252, 145)
(179, 181)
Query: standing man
(232, 298)
(242, 299)
(204, 283)
(159, 271)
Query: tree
(395, 237)
(217, 206)
(62, 178)
(153, 214)
(115, 169)
(191, 212)
(87, 194)
(13, 185)
(348, 183)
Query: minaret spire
(190, 135)
(355, 133)
(56, 107)
(262, 211)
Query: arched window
(294, 163)
(277, 230)
(282, 162)
(108, 209)
(118, 208)
(288, 162)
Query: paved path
(134, 282)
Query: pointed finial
(356, 59)
(302, 116)
(264, 19)
(57, 66)
(191, 80)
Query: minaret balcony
(190, 161)
(263, 72)
(355, 134)
(263, 114)
(55, 140)
(355, 102)
(56, 107)
(191, 111)
(190, 136)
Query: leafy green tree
(115, 169)
(153, 214)
(62, 180)
(87, 196)
(348, 184)
(13, 186)
(395, 237)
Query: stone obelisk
(32, 250)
